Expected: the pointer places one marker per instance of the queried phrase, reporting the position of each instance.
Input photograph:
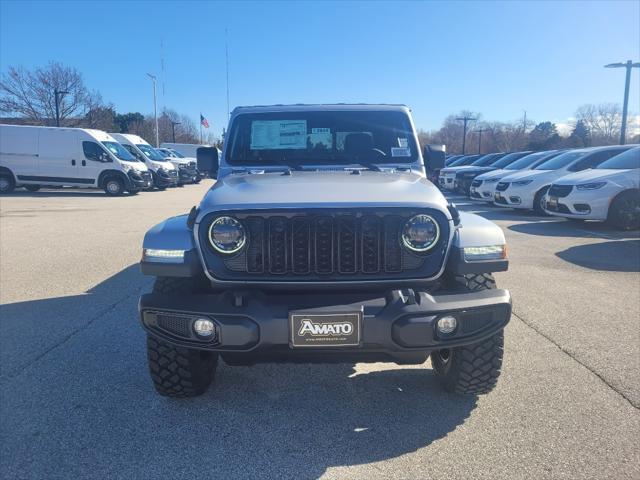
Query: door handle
(73, 162)
(84, 163)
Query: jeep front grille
(326, 245)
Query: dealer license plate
(552, 203)
(325, 329)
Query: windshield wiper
(366, 165)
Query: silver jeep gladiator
(323, 241)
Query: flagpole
(200, 128)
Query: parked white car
(34, 157)
(611, 191)
(483, 186)
(526, 190)
(164, 173)
(448, 174)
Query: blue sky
(498, 58)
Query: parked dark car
(462, 182)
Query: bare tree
(31, 94)
(604, 121)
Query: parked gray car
(323, 241)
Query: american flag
(204, 122)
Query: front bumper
(482, 192)
(514, 198)
(397, 325)
(140, 180)
(187, 175)
(587, 205)
(446, 181)
(168, 179)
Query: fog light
(204, 327)
(447, 324)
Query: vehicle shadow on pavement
(83, 405)
(614, 256)
(573, 229)
(60, 193)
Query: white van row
(35, 157)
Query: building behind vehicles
(35, 157)
(526, 189)
(608, 192)
(323, 241)
(164, 173)
(483, 185)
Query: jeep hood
(322, 189)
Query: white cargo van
(164, 173)
(33, 157)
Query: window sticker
(278, 134)
(321, 130)
(403, 142)
(400, 152)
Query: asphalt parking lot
(76, 400)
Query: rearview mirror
(434, 157)
(208, 161)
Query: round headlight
(226, 235)
(420, 233)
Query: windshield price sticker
(400, 152)
(278, 134)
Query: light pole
(173, 129)
(480, 138)
(465, 119)
(155, 107)
(628, 65)
(58, 94)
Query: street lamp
(628, 65)
(155, 107)
(58, 94)
(173, 129)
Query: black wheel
(471, 369)
(32, 188)
(538, 201)
(624, 212)
(7, 183)
(176, 371)
(114, 186)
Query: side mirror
(208, 161)
(434, 157)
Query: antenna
(162, 68)
(226, 53)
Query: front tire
(538, 202)
(624, 212)
(471, 369)
(176, 371)
(7, 183)
(114, 187)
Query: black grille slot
(300, 245)
(347, 244)
(502, 186)
(560, 190)
(255, 249)
(370, 231)
(278, 245)
(392, 248)
(324, 244)
(176, 325)
(476, 183)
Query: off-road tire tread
(179, 372)
(474, 368)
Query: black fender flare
(8, 171)
(113, 173)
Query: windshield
(458, 162)
(562, 160)
(623, 161)
(322, 137)
(151, 152)
(485, 160)
(176, 153)
(119, 151)
(509, 159)
(529, 160)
